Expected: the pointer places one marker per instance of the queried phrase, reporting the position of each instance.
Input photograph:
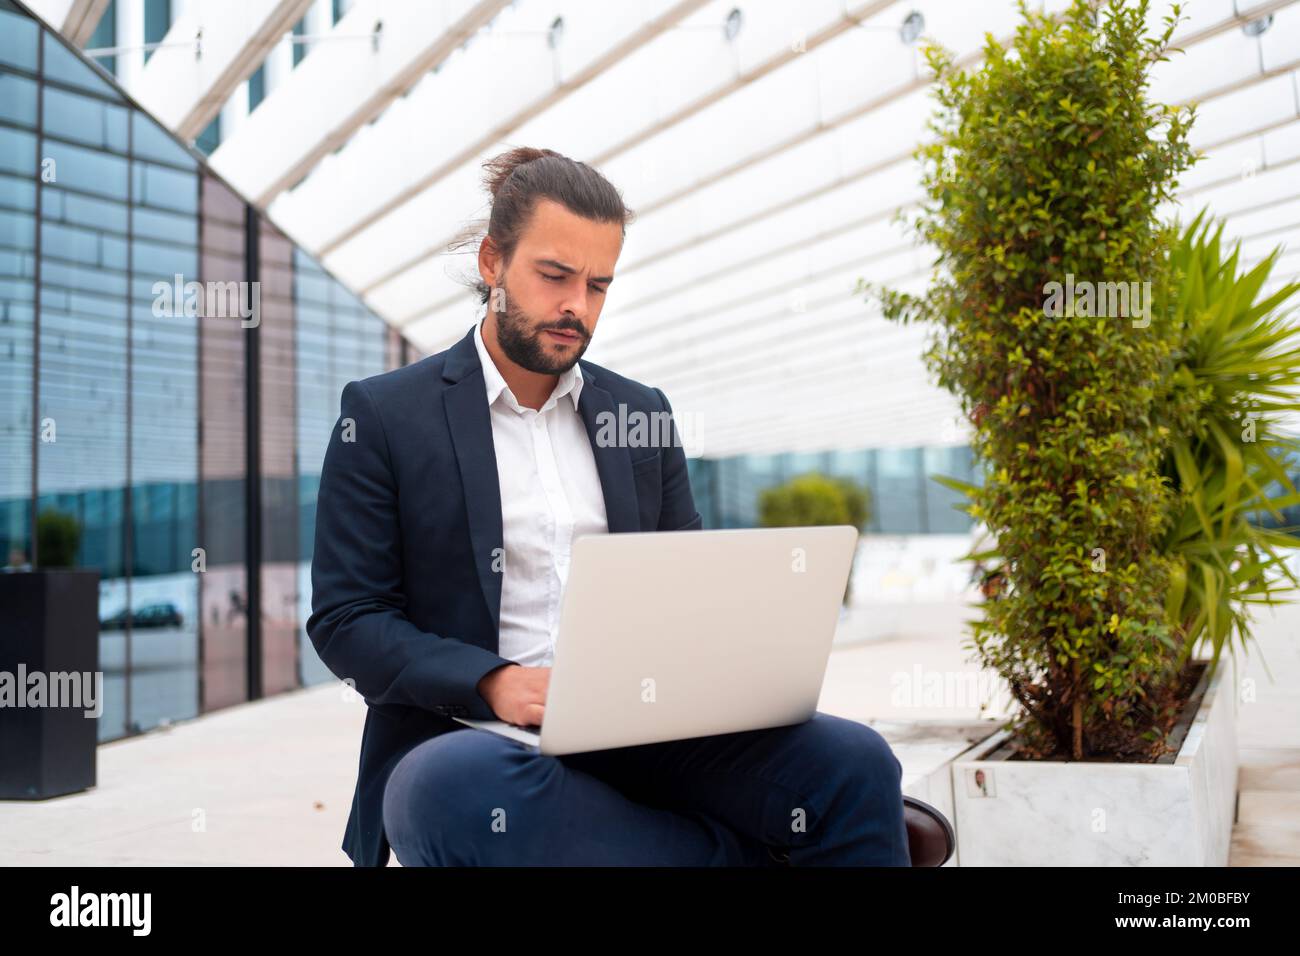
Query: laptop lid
(674, 634)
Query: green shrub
(814, 500)
(58, 536)
(1048, 165)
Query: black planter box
(49, 623)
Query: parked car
(163, 614)
(114, 622)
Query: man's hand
(517, 694)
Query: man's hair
(518, 178)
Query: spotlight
(1258, 26)
(912, 27)
(735, 19)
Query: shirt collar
(570, 382)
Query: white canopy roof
(765, 170)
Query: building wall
(131, 413)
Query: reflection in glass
(222, 469)
(82, 426)
(338, 341)
(130, 410)
(164, 466)
(17, 321)
(904, 498)
(279, 545)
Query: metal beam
(186, 90)
(81, 19)
(340, 87)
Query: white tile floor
(270, 783)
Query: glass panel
(82, 452)
(85, 119)
(17, 99)
(280, 624)
(337, 340)
(18, 40)
(63, 66)
(164, 187)
(256, 88)
(165, 226)
(157, 20)
(899, 492)
(222, 497)
(210, 138)
(151, 141)
(942, 516)
(17, 193)
(105, 214)
(17, 295)
(17, 151)
(299, 49)
(805, 462)
(105, 36)
(164, 470)
(85, 170)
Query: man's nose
(575, 305)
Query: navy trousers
(827, 792)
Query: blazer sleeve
(678, 510)
(358, 623)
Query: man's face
(547, 301)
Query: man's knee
(449, 786)
(858, 750)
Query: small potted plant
(49, 660)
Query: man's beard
(523, 344)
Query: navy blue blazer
(405, 601)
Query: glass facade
(105, 37)
(184, 440)
(902, 497)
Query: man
(450, 496)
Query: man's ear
(489, 260)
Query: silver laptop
(666, 635)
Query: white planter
(1058, 813)
(927, 749)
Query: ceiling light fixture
(913, 26)
(1253, 28)
(731, 28)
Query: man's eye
(551, 277)
(596, 288)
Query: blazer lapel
(613, 462)
(470, 424)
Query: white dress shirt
(550, 493)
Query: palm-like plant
(1237, 374)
